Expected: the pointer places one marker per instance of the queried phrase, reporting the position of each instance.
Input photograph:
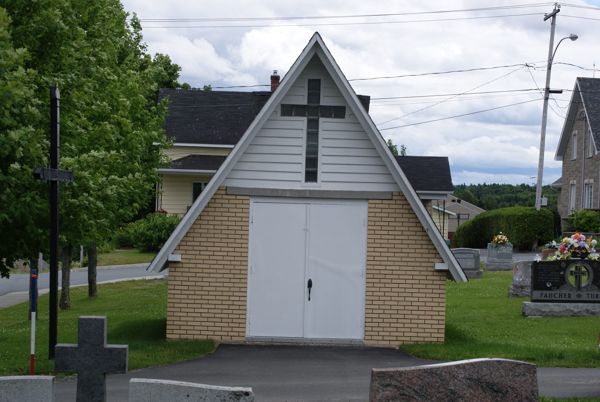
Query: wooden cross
(313, 110)
(91, 359)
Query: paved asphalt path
(15, 289)
(310, 373)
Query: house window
(574, 146)
(591, 148)
(572, 195)
(197, 189)
(312, 131)
(588, 191)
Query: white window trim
(591, 151)
(574, 145)
(572, 196)
(589, 194)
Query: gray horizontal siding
(348, 160)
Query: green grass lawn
(124, 256)
(481, 321)
(136, 312)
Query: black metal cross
(579, 273)
(53, 175)
(91, 359)
(313, 110)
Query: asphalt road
(310, 373)
(14, 289)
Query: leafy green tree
(393, 148)
(110, 118)
(22, 147)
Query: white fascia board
(433, 195)
(390, 161)
(197, 145)
(565, 134)
(205, 196)
(186, 171)
(444, 210)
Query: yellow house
(309, 231)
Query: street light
(547, 91)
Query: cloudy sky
(379, 44)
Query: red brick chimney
(274, 81)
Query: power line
(339, 23)
(580, 18)
(464, 70)
(453, 96)
(542, 93)
(459, 115)
(318, 17)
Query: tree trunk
(92, 263)
(65, 295)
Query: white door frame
(251, 259)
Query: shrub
(147, 234)
(524, 226)
(586, 221)
(124, 236)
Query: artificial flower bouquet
(576, 246)
(500, 240)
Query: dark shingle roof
(586, 92)
(198, 162)
(427, 173)
(590, 94)
(210, 117)
(214, 117)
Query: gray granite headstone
(91, 359)
(540, 309)
(521, 284)
(149, 390)
(467, 380)
(469, 260)
(30, 388)
(499, 257)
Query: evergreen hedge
(147, 234)
(524, 226)
(586, 220)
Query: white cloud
(501, 140)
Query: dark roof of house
(214, 117)
(198, 162)
(427, 173)
(586, 92)
(210, 117)
(589, 88)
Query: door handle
(309, 286)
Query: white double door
(306, 274)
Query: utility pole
(538, 188)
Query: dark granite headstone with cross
(566, 281)
(91, 359)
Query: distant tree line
(494, 196)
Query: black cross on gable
(91, 359)
(313, 110)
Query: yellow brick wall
(405, 296)
(207, 289)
